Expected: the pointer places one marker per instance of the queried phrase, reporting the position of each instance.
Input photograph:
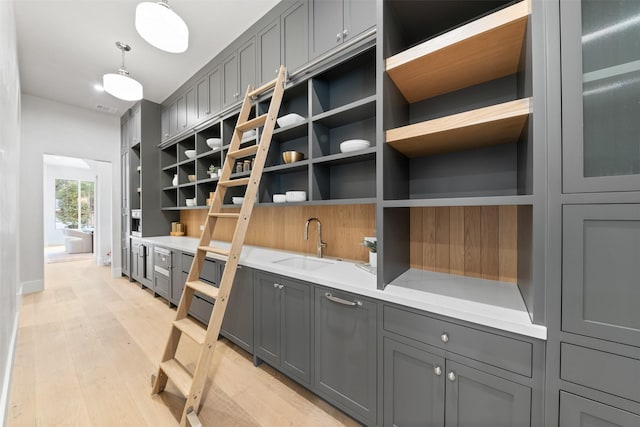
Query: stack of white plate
(296, 196)
(354, 145)
(289, 120)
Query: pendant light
(161, 27)
(119, 84)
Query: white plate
(296, 196)
(289, 120)
(354, 145)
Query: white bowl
(237, 200)
(354, 145)
(248, 135)
(191, 202)
(289, 120)
(214, 143)
(296, 196)
(190, 153)
(279, 198)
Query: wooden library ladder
(192, 386)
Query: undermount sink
(304, 263)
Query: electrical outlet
(202, 228)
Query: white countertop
(486, 302)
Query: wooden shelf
(461, 201)
(483, 50)
(496, 124)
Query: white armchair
(77, 241)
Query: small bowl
(191, 178)
(289, 120)
(190, 153)
(237, 200)
(292, 156)
(214, 143)
(354, 145)
(296, 196)
(279, 198)
(191, 202)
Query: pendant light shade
(119, 84)
(161, 27)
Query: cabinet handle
(353, 303)
(344, 33)
(444, 337)
(452, 376)
(277, 71)
(280, 286)
(437, 370)
(275, 285)
(338, 37)
(166, 135)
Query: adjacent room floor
(88, 345)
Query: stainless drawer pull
(452, 376)
(437, 370)
(330, 297)
(444, 337)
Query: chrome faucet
(321, 244)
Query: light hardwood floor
(88, 345)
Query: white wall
(9, 178)
(50, 127)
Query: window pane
(66, 203)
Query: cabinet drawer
(186, 262)
(507, 353)
(611, 373)
(201, 309)
(162, 258)
(576, 411)
(161, 285)
(209, 270)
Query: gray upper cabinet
(186, 110)
(345, 343)
(173, 119)
(475, 398)
(135, 124)
(230, 92)
(238, 318)
(336, 21)
(576, 411)
(246, 66)
(269, 52)
(208, 95)
(283, 324)
(601, 254)
(215, 90)
(164, 123)
(413, 385)
(600, 83)
(191, 107)
(295, 36)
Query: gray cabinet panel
(173, 119)
(497, 350)
(181, 105)
(238, 317)
(164, 124)
(600, 129)
(191, 106)
(345, 352)
(296, 330)
(247, 67)
(269, 52)
(359, 15)
(215, 99)
(474, 398)
(200, 308)
(295, 36)
(230, 80)
(161, 286)
(267, 318)
(413, 385)
(135, 123)
(600, 292)
(202, 99)
(602, 371)
(326, 19)
(576, 411)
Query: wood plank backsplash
(478, 241)
(343, 228)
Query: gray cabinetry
(576, 411)
(230, 92)
(345, 334)
(335, 21)
(163, 262)
(173, 119)
(600, 82)
(186, 110)
(142, 263)
(600, 292)
(239, 71)
(135, 125)
(164, 124)
(237, 325)
(295, 36)
(413, 386)
(283, 324)
(269, 52)
(208, 95)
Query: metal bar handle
(338, 300)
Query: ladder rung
(203, 288)
(192, 329)
(252, 124)
(232, 215)
(213, 250)
(243, 152)
(234, 182)
(265, 87)
(178, 374)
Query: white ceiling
(64, 47)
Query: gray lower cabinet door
(177, 284)
(576, 411)
(345, 352)
(135, 251)
(326, 19)
(600, 270)
(413, 384)
(267, 318)
(474, 398)
(296, 329)
(269, 52)
(200, 308)
(161, 285)
(295, 36)
(238, 317)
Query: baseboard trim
(32, 286)
(4, 396)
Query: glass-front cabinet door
(600, 95)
